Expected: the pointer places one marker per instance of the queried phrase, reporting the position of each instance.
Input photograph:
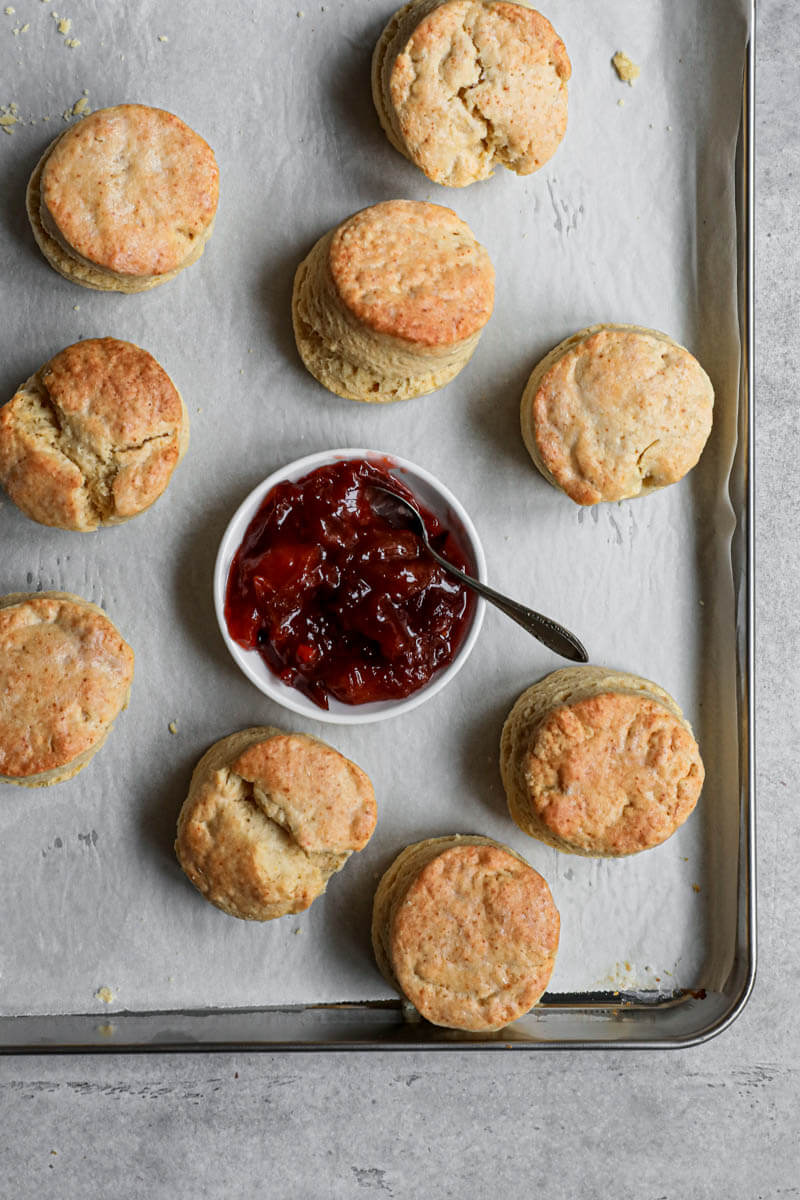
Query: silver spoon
(389, 505)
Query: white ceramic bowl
(434, 496)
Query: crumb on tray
(626, 69)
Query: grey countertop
(717, 1120)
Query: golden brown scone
(466, 930)
(269, 817)
(616, 411)
(462, 85)
(65, 675)
(391, 304)
(599, 762)
(93, 437)
(124, 199)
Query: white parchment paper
(632, 221)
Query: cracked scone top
(391, 303)
(598, 762)
(269, 817)
(466, 930)
(616, 411)
(124, 199)
(65, 675)
(463, 85)
(93, 437)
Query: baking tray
(613, 1017)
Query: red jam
(338, 601)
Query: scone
(466, 931)
(65, 675)
(391, 304)
(124, 199)
(616, 411)
(599, 763)
(269, 817)
(462, 85)
(93, 437)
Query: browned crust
(414, 271)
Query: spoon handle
(548, 632)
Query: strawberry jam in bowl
(335, 609)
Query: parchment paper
(632, 221)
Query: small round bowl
(434, 496)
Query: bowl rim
(247, 660)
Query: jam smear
(336, 599)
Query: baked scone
(466, 931)
(616, 411)
(269, 817)
(462, 85)
(599, 762)
(124, 199)
(391, 304)
(65, 675)
(93, 437)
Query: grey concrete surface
(720, 1120)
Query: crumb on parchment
(105, 994)
(626, 69)
(173, 727)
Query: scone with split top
(461, 86)
(269, 817)
(93, 437)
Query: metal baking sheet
(644, 215)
